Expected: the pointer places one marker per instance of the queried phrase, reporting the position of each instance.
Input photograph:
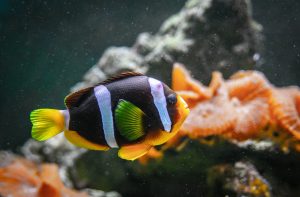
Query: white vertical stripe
(104, 103)
(66, 115)
(157, 91)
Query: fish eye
(172, 99)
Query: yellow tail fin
(46, 123)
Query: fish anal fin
(77, 140)
(132, 152)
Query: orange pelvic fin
(133, 152)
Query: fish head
(182, 111)
(177, 111)
(177, 108)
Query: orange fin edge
(76, 139)
(132, 152)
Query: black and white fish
(131, 111)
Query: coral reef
(247, 111)
(244, 107)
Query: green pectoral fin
(129, 120)
(133, 152)
(77, 140)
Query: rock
(56, 150)
(211, 34)
(114, 60)
(239, 179)
(99, 193)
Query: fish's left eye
(172, 99)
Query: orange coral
(190, 97)
(216, 82)
(284, 105)
(202, 119)
(182, 81)
(244, 107)
(250, 91)
(251, 118)
(23, 178)
(239, 108)
(246, 85)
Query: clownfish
(130, 111)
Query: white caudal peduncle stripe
(66, 115)
(157, 91)
(104, 103)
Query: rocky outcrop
(205, 35)
(241, 178)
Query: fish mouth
(185, 105)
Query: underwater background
(47, 46)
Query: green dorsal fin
(74, 99)
(129, 120)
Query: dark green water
(46, 46)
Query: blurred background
(46, 47)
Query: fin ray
(129, 120)
(46, 123)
